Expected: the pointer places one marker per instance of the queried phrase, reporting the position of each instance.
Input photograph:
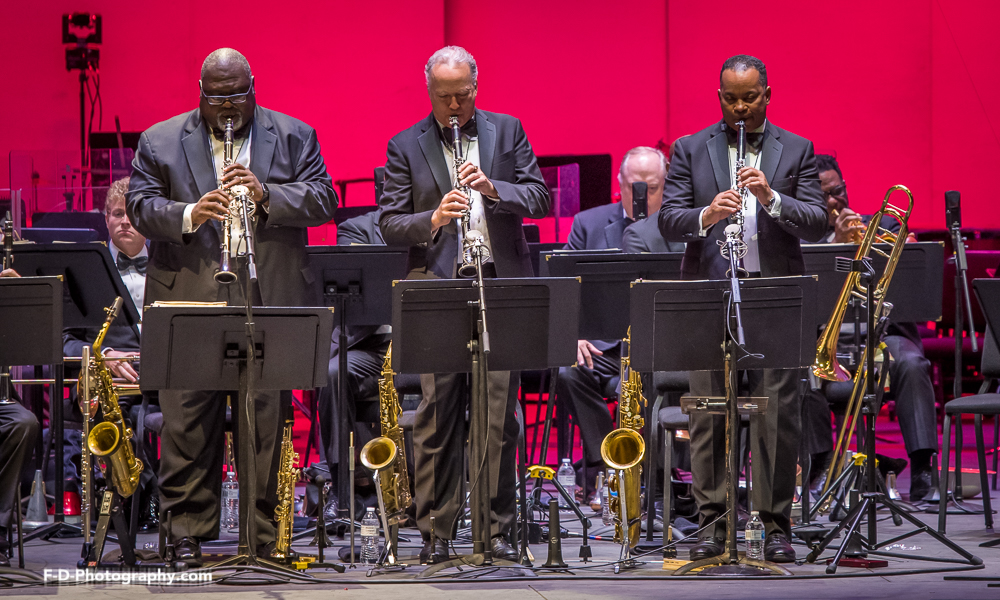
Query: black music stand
(91, 283)
(604, 315)
(357, 283)
(533, 324)
(688, 326)
(205, 348)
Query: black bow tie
(469, 129)
(123, 263)
(754, 140)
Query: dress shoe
(188, 551)
(502, 549)
(778, 549)
(920, 485)
(434, 553)
(707, 548)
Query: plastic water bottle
(369, 537)
(755, 537)
(606, 517)
(230, 501)
(566, 477)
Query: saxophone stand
(388, 559)
(869, 498)
(321, 539)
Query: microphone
(953, 209)
(639, 191)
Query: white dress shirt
(133, 279)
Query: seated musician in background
(909, 372)
(179, 199)
(130, 255)
(18, 434)
(584, 388)
(366, 348)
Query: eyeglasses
(232, 99)
(838, 192)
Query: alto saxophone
(284, 512)
(110, 439)
(623, 451)
(385, 456)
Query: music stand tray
(686, 326)
(205, 348)
(436, 327)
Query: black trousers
(583, 390)
(439, 435)
(18, 433)
(774, 449)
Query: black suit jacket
(417, 178)
(173, 168)
(598, 228)
(644, 236)
(700, 170)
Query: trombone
(826, 365)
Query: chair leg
(668, 471)
(959, 446)
(943, 478)
(996, 443)
(983, 477)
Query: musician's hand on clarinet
(472, 176)
(755, 181)
(213, 205)
(121, 368)
(452, 206)
(585, 353)
(847, 226)
(237, 174)
(723, 205)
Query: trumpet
(826, 365)
(470, 241)
(882, 236)
(240, 208)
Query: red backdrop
(897, 88)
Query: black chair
(986, 402)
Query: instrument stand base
(111, 514)
(496, 568)
(722, 566)
(870, 503)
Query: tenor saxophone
(111, 439)
(623, 451)
(284, 512)
(386, 455)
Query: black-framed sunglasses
(838, 192)
(232, 99)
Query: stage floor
(595, 579)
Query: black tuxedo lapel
(718, 151)
(487, 143)
(430, 145)
(771, 154)
(199, 160)
(262, 146)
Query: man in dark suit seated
(779, 196)
(366, 348)
(18, 434)
(584, 387)
(420, 207)
(909, 372)
(179, 199)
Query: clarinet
(470, 241)
(734, 248)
